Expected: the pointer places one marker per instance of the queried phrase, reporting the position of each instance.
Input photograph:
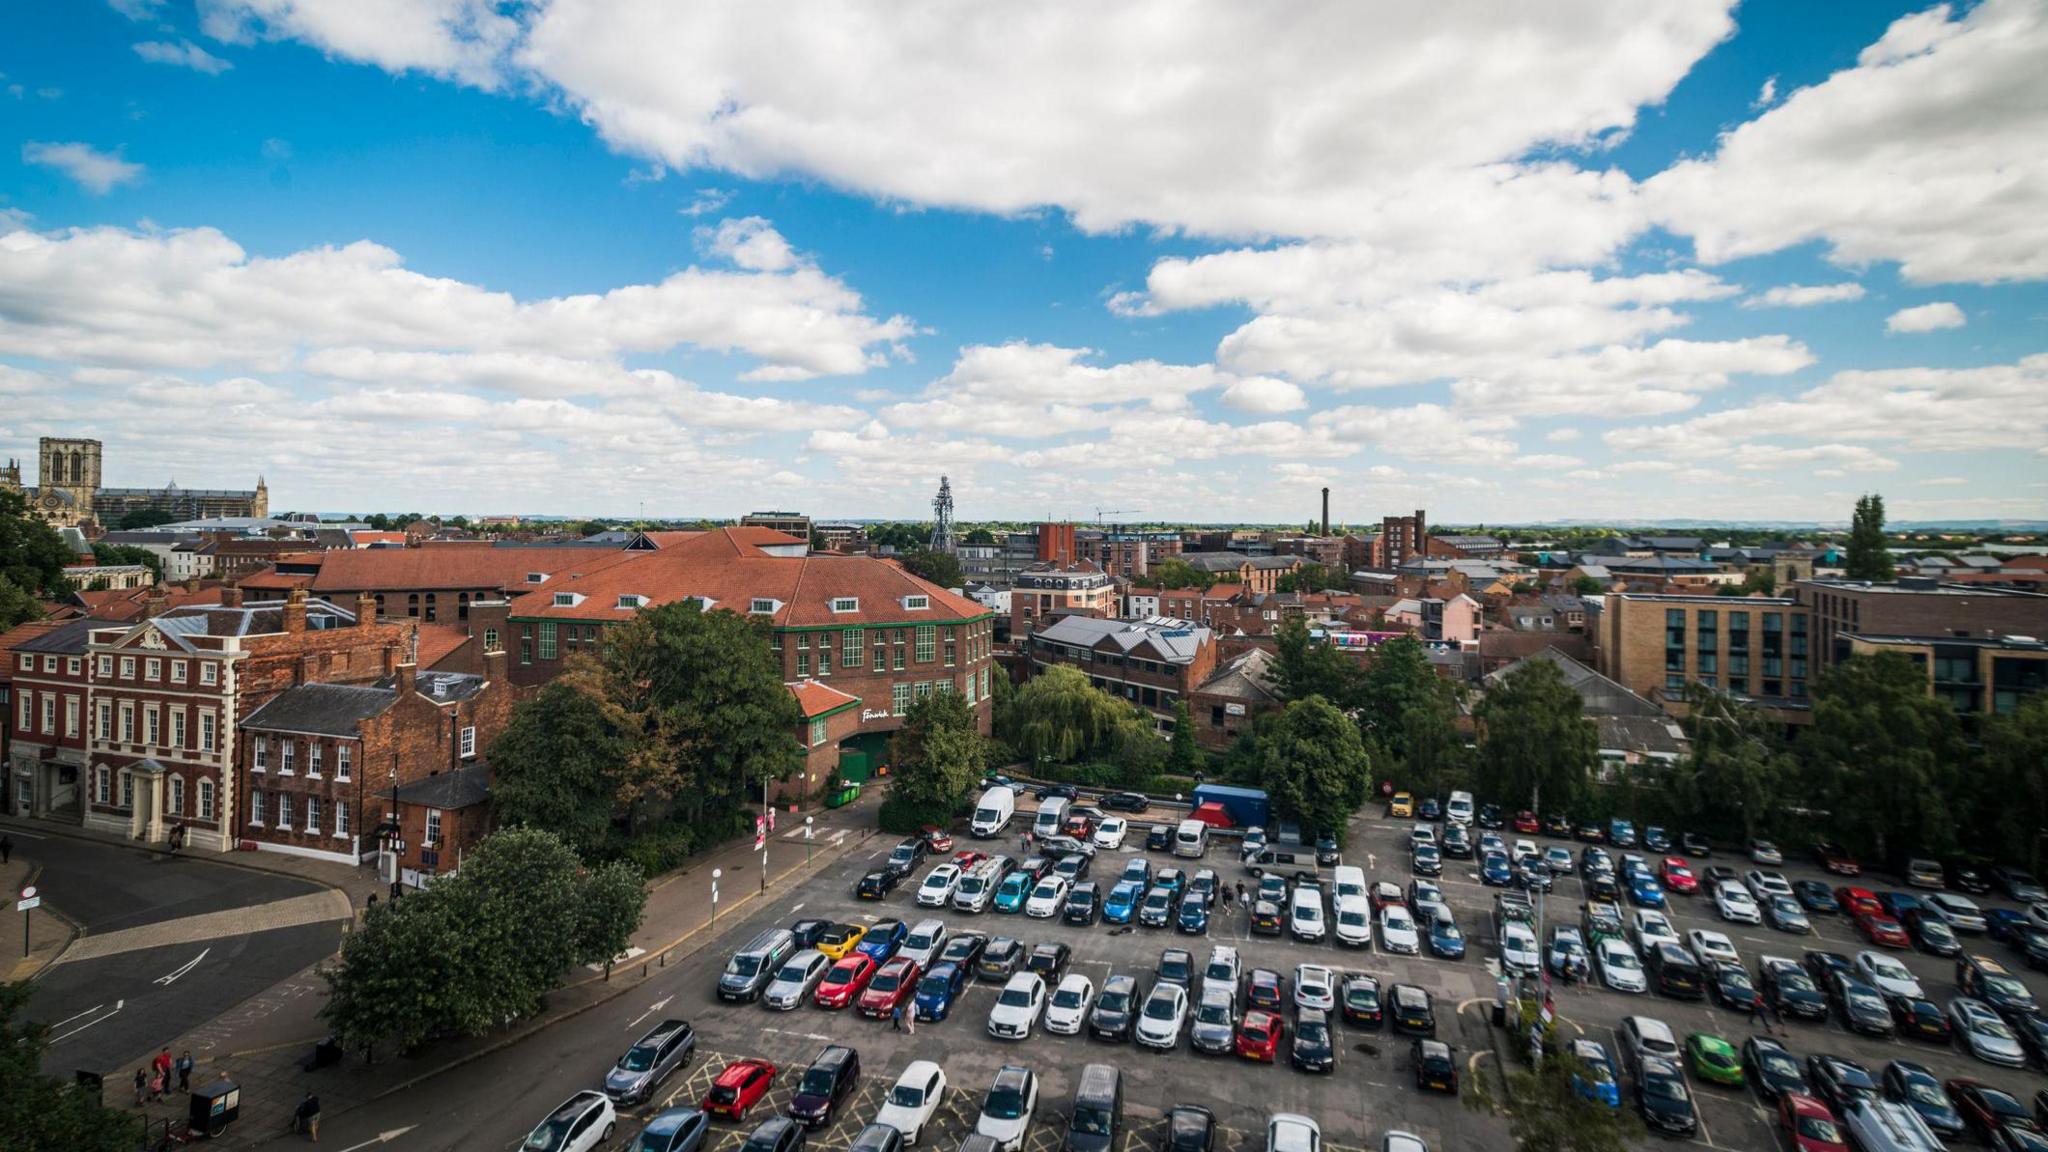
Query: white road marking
(657, 1006)
(795, 908)
(170, 978)
(384, 1137)
(69, 1019)
(118, 1005)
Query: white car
(922, 946)
(1397, 931)
(1888, 975)
(938, 886)
(1518, 949)
(582, 1123)
(1619, 968)
(913, 1099)
(1960, 912)
(1736, 905)
(1305, 914)
(1223, 969)
(1006, 1110)
(2037, 915)
(796, 980)
(1354, 922)
(1164, 1015)
(1422, 834)
(1315, 987)
(1652, 928)
(1293, 1132)
(1398, 1141)
(1710, 947)
(1069, 1007)
(1017, 1005)
(1764, 885)
(1047, 899)
(1524, 848)
(1111, 832)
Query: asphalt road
(105, 888)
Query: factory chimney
(1326, 511)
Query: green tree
(941, 568)
(1184, 757)
(980, 537)
(141, 518)
(592, 528)
(939, 757)
(1304, 666)
(555, 766)
(1586, 586)
(1314, 767)
(479, 948)
(902, 537)
(1059, 716)
(1313, 578)
(1434, 758)
(2013, 780)
(1398, 678)
(1741, 771)
(113, 554)
(1867, 557)
(1174, 573)
(32, 554)
(1534, 738)
(40, 1112)
(1547, 1113)
(1883, 756)
(16, 605)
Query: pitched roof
(1174, 641)
(321, 709)
(464, 787)
(817, 699)
(23, 633)
(438, 642)
(444, 566)
(68, 638)
(130, 603)
(1601, 696)
(1248, 676)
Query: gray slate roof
(1176, 641)
(1246, 677)
(1602, 696)
(67, 639)
(466, 786)
(321, 709)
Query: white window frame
(631, 601)
(179, 673)
(26, 720)
(255, 807)
(469, 742)
(206, 799)
(846, 604)
(259, 753)
(313, 759)
(209, 672)
(207, 730)
(177, 801)
(127, 667)
(342, 767)
(433, 838)
(128, 790)
(312, 815)
(153, 669)
(102, 790)
(284, 810)
(49, 713)
(106, 666)
(71, 716)
(152, 726)
(341, 819)
(285, 755)
(178, 728)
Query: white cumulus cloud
(1926, 318)
(97, 172)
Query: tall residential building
(1915, 606)
(1049, 590)
(1403, 538)
(1757, 647)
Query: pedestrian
(159, 1083)
(1758, 1015)
(6, 847)
(896, 1019)
(161, 1063)
(307, 1118)
(141, 1087)
(185, 1070)
(909, 1019)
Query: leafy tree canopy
(1304, 666)
(32, 554)
(553, 766)
(1314, 767)
(1535, 740)
(1883, 757)
(1398, 678)
(114, 554)
(1058, 715)
(1175, 573)
(941, 568)
(43, 1112)
(141, 518)
(1867, 558)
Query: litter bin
(215, 1105)
(326, 1053)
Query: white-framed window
(177, 727)
(177, 795)
(206, 799)
(49, 663)
(313, 757)
(899, 698)
(100, 793)
(103, 725)
(762, 605)
(49, 713)
(71, 715)
(26, 721)
(846, 603)
(256, 807)
(127, 667)
(284, 756)
(629, 601)
(568, 599)
(152, 669)
(341, 761)
(817, 732)
(433, 826)
(178, 672)
(73, 665)
(106, 666)
(127, 723)
(312, 815)
(209, 672)
(127, 789)
(284, 809)
(469, 742)
(259, 754)
(206, 731)
(341, 818)
(917, 603)
(152, 726)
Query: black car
(1435, 1068)
(1920, 1019)
(2032, 943)
(1930, 933)
(1793, 993)
(1190, 1128)
(825, 1086)
(1430, 809)
(1862, 1008)
(775, 1134)
(963, 949)
(1674, 972)
(1655, 839)
(999, 960)
(1083, 904)
(1063, 791)
(1313, 1049)
(1412, 1012)
(1457, 843)
(1694, 844)
(1126, 802)
(1840, 1081)
(1989, 1112)
(1328, 855)
(1730, 986)
(1049, 960)
(1815, 897)
(1969, 876)
(1823, 965)
(1158, 838)
(1427, 861)
(1715, 875)
(1591, 831)
(1662, 1098)
(2032, 1029)
(808, 931)
(1115, 1009)
(1557, 824)
(1988, 980)
(1772, 1068)
(1602, 886)
(1360, 1001)
(1176, 966)
(1490, 818)
(906, 856)
(877, 885)
(1914, 1086)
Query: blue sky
(596, 256)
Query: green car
(1714, 1059)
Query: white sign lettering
(874, 713)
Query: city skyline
(1658, 262)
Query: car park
(824, 1086)
(1017, 1007)
(1164, 1016)
(1361, 1004)
(739, 1086)
(1771, 1068)
(998, 959)
(1663, 1100)
(581, 1123)
(1215, 1024)
(1410, 1011)
(796, 980)
(665, 1048)
(889, 988)
(1620, 970)
(1917, 1087)
(1984, 1034)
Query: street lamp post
(715, 874)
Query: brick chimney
(154, 603)
(230, 596)
(366, 610)
(408, 682)
(302, 671)
(295, 610)
(391, 660)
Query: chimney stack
(391, 660)
(408, 679)
(295, 610)
(230, 596)
(154, 603)
(366, 610)
(1326, 511)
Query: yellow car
(1401, 805)
(841, 939)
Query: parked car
(1313, 1049)
(1619, 968)
(739, 1086)
(939, 990)
(1713, 1059)
(913, 1099)
(1115, 1006)
(889, 988)
(1435, 1069)
(1920, 1019)
(674, 1130)
(845, 981)
(1361, 1001)
(1412, 1011)
(1017, 1007)
(796, 980)
(581, 1123)
(1771, 1068)
(1259, 1034)
(1917, 1088)
(665, 1048)
(825, 1085)
(1163, 1017)
(1007, 1109)
(1068, 1009)
(1985, 1034)
(999, 959)
(1663, 1099)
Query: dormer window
(765, 606)
(568, 599)
(916, 603)
(846, 604)
(704, 603)
(536, 577)
(630, 601)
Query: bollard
(664, 958)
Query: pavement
(45, 931)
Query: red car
(1258, 1036)
(1079, 827)
(968, 858)
(1526, 823)
(889, 986)
(844, 981)
(936, 838)
(739, 1087)
(1678, 876)
(1808, 1125)
(1835, 858)
(1857, 901)
(1883, 931)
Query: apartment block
(1756, 647)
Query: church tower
(67, 479)
(260, 506)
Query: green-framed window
(927, 642)
(899, 698)
(547, 640)
(851, 643)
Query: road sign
(28, 892)
(27, 903)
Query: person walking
(909, 1018)
(896, 1019)
(141, 1087)
(184, 1067)
(307, 1118)
(6, 847)
(1759, 1016)
(161, 1063)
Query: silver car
(646, 1064)
(1984, 1034)
(796, 980)
(1215, 1028)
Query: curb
(71, 931)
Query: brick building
(1759, 647)
(1130, 554)
(437, 582)
(1915, 607)
(830, 717)
(166, 694)
(1401, 539)
(1258, 574)
(1152, 663)
(1230, 701)
(48, 687)
(1044, 592)
(317, 760)
(1976, 676)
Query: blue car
(1139, 871)
(1595, 1081)
(1012, 892)
(1621, 833)
(1495, 871)
(1171, 879)
(1122, 902)
(883, 940)
(1899, 903)
(2004, 924)
(1645, 891)
(1445, 940)
(1193, 916)
(676, 1130)
(939, 988)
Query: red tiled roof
(381, 569)
(438, 642)
(1223, 591)
(728, 567)
(364, 536)
(27, 631)
(126, 604)
(817, 699)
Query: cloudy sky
(1186, 260)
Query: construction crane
(1102, 512)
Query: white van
(1348, 880)
(993, 811)
(1191, 839)
(1052, 817)
(1459, 810)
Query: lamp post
(715, 874)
